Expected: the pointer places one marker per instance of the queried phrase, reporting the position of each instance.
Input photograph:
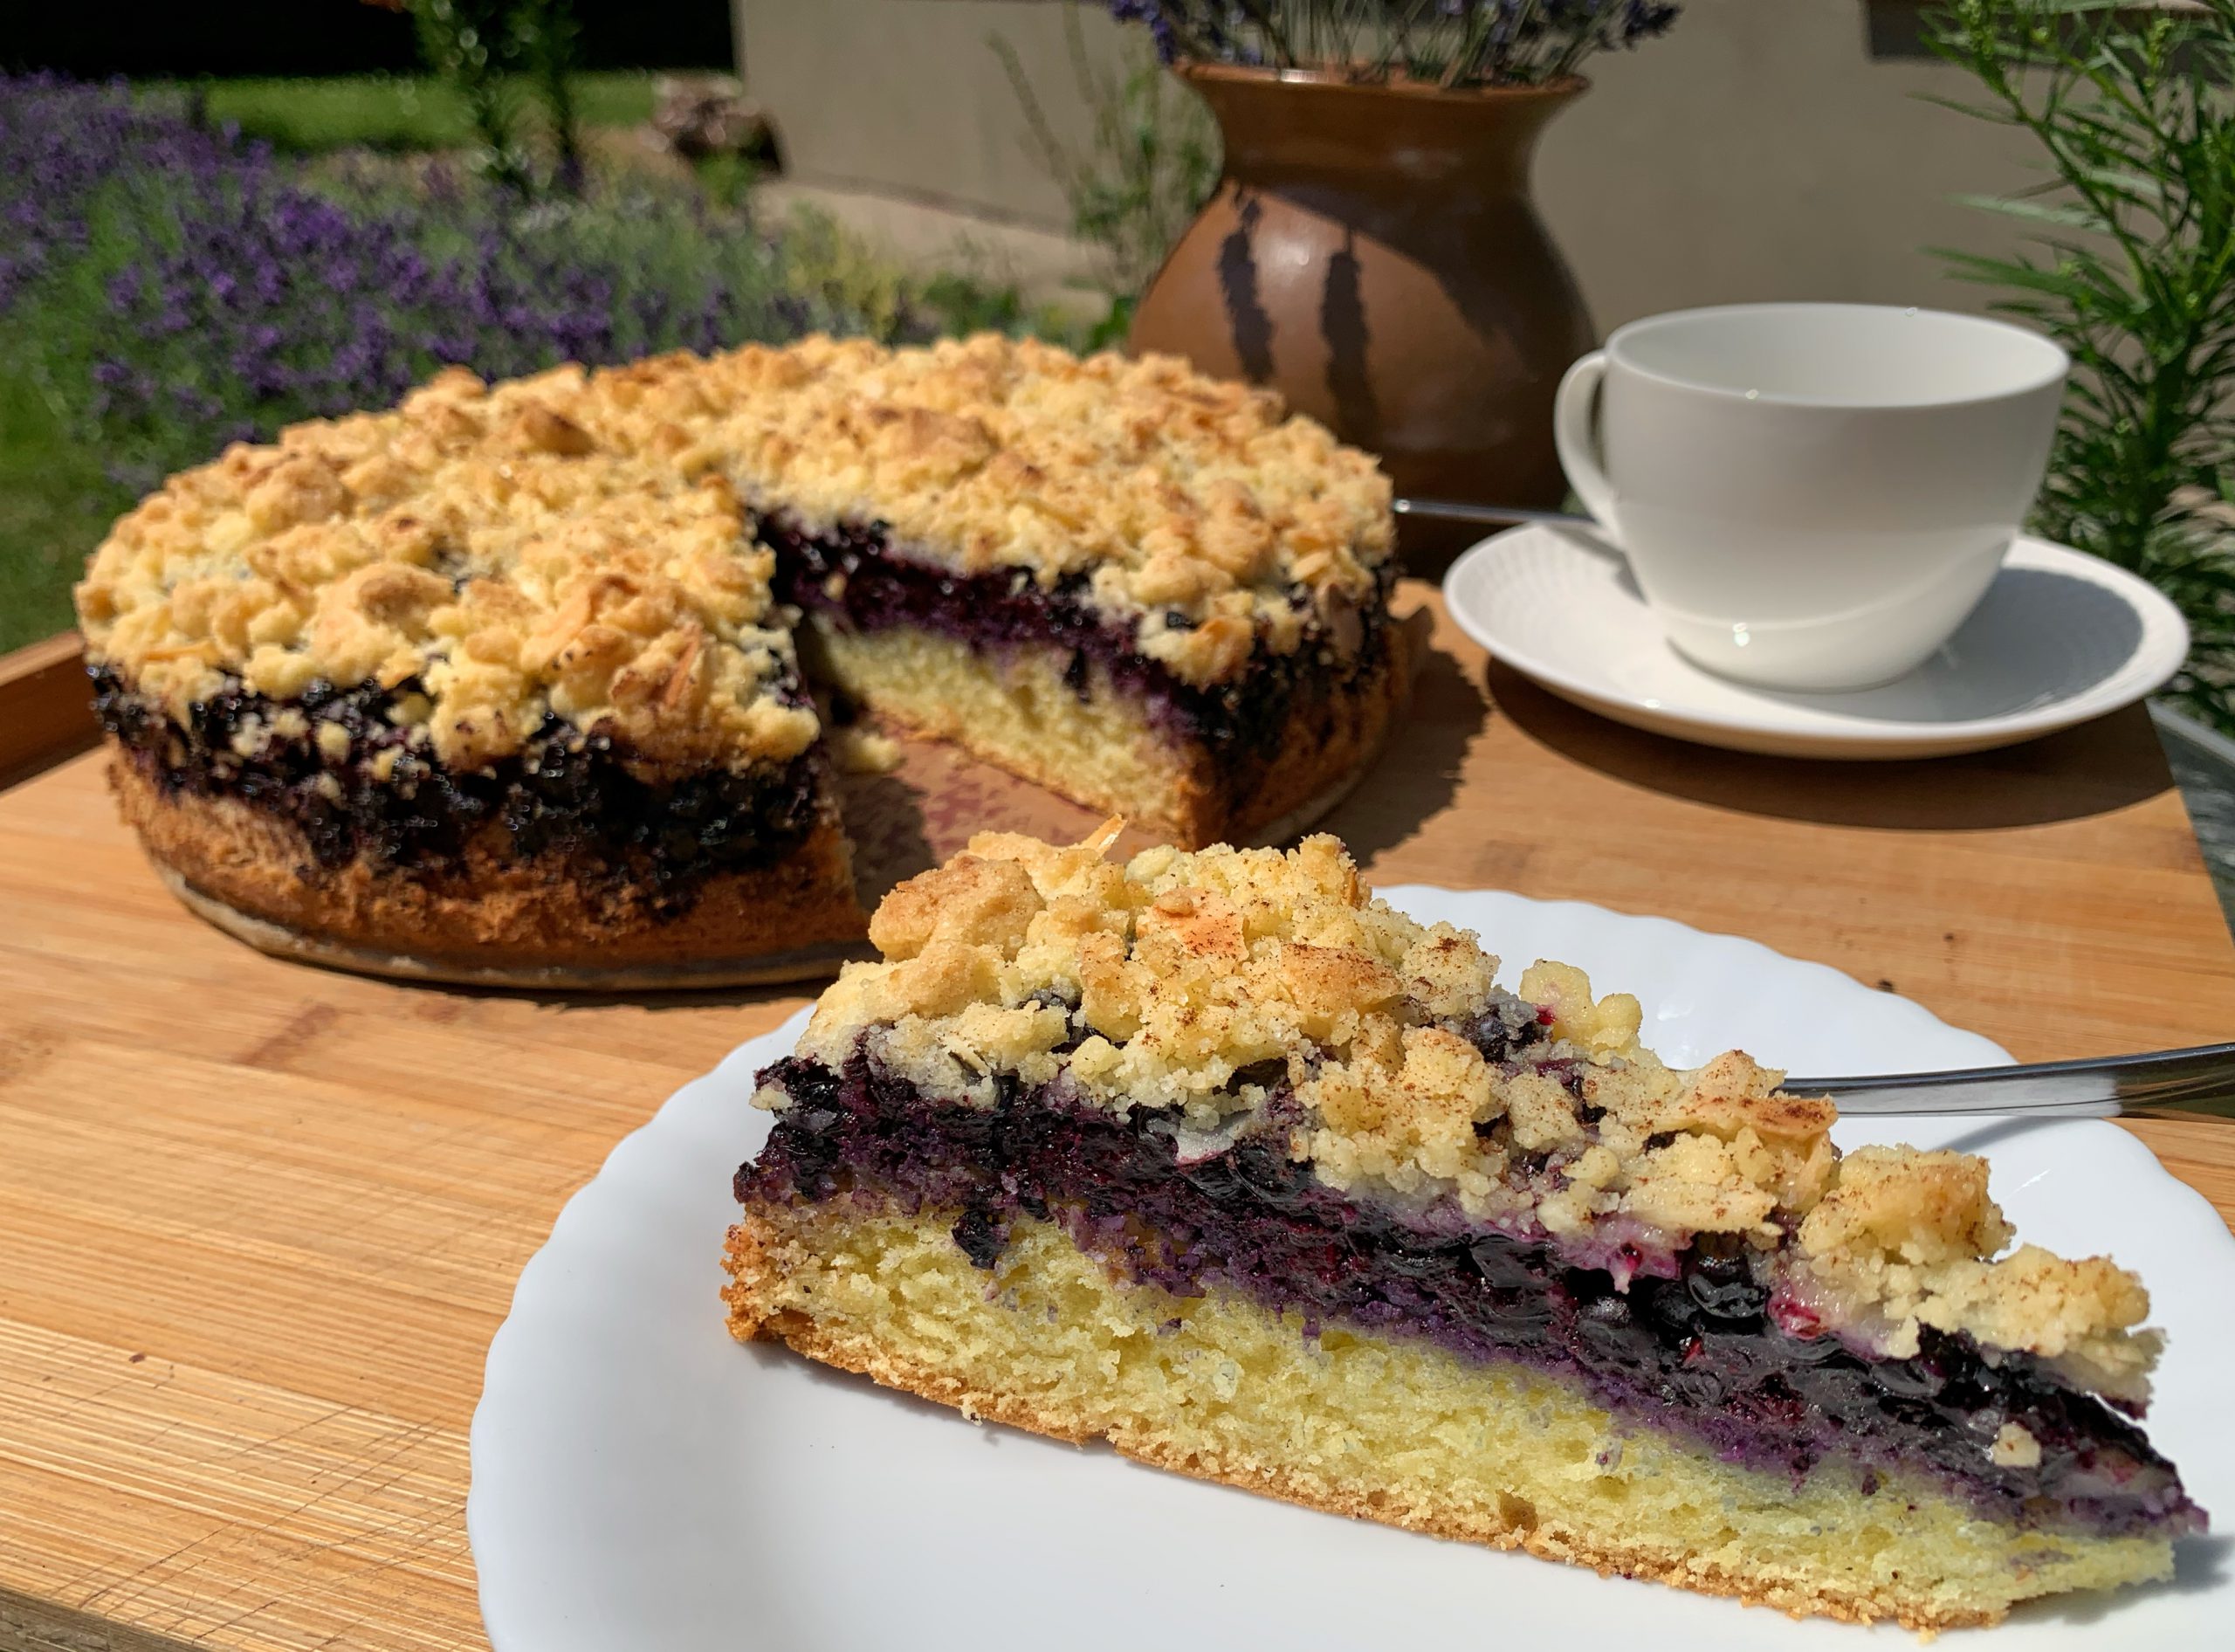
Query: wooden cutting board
(259, 1222)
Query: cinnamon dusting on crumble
(1196, 976)
(1907, 1238)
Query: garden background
(191, 259)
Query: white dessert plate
(2060, 638)
(643, 1483)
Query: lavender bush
(1450, 43)
(166, 289)
(181, 289)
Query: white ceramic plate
(2060, 638)
(642, 1484)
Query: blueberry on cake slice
(1149, 591)
(1215, 1158)
(487, 688)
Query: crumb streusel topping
(1200, 515)
(575, 543)
(1243, 989)
(482, 544)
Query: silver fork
(2201, 1080)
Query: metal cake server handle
(2201, 1080)
(1489, 515)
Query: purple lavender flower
(185, 289)
(1160, 27)
(1644, 19)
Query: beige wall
(907, 96)
(1757, 152)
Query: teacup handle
(1571, 435)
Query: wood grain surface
(257, 1223)
(48, 713)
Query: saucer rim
(2141, 674)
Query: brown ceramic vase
(1373, 254)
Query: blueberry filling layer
(564, 793)
(1696, 1354)
(853, 574)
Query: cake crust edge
(510, 923)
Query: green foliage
(546, 34)
(397, 114)
(839, 274)
(2132, 270)
(965, 305)
(2190, 557)
(464, 43)
(1149, 163)
(55, 504)
(487, 51)
(727, 180)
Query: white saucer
(2060, 638)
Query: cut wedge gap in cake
(1043, 684)
(1148, 590)
(1215, 1158)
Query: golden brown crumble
(575, 542)
(1180, 498)
(486, 543)
(1192, 971)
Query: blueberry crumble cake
(1214, 1156)
(506, 683)
(464, 691)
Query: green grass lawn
(55, 504)
(395, 112)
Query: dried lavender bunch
(1450, 43)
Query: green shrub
(2132, 270)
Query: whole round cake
(511, 683)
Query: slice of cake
(469, 690)
(1147, 591)
(1214, 1157)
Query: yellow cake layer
(1014, 708)
(1385, 1429)
(1011, 707)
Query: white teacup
(1811, 496)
